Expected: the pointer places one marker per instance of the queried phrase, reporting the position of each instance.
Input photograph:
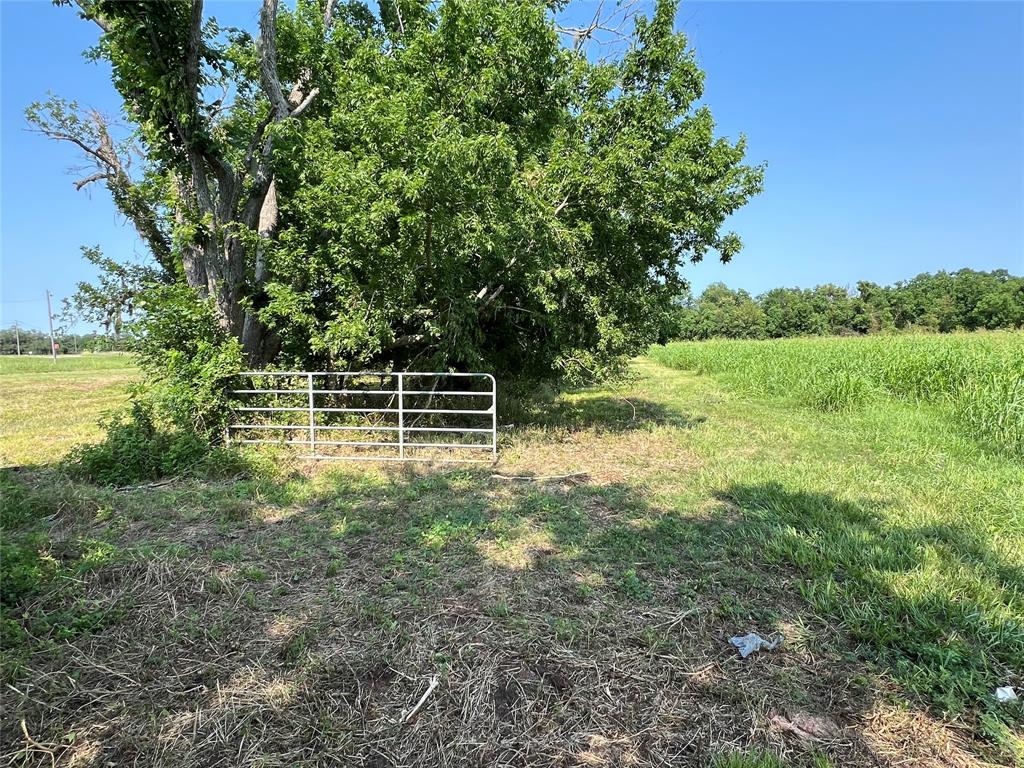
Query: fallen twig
(158, 484)
(35, 745)
(538, 477)
(419, 704)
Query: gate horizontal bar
(368, 443)
(365, 444)
(364, 410)
(353, 374)
(367, 428)
(431, 459)
(486, 447)
(317, 392)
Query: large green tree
(453, 184)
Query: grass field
(49, 407)
(297, 615)
(978, 379)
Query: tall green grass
(977, 378)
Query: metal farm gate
(375, 416)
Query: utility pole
(49, 316)
(17, 338)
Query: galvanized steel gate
(469, 415)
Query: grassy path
(297, 615)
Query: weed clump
(835, 390)
(138, 447)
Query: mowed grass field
(298, 614)
(49, 407)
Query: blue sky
(893, 134)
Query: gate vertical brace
(401, 416)
(312, 417)
(494, 420)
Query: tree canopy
(434, 185)
(965, 300)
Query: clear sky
(893, 135)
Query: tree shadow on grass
(300, 620)
(933, 604)
(603, 412)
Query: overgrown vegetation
(977, 380)
(175, 419)
(965, 300)
(579, 620)
(137, 447)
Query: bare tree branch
(328, 14)
(304, 103)
(613, 23)
(193, 47)
(268, 60)
(90, 179)
(87, 12)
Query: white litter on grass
(1006, 693)
(753, 642)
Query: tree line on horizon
(32, 342)
(966, 300)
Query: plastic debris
(753, 642)
(1006, 693)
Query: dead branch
(538, 478)
(423, 700)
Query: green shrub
(189, 361)
(137, 448)
(176, 419)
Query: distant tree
(1001, 307)
(833, 305)
(791, 312)
(941, 302)
(872, 312)
(722, 312)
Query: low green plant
(174, 421)
(23, 569)
(137, 448)
(747, 760)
